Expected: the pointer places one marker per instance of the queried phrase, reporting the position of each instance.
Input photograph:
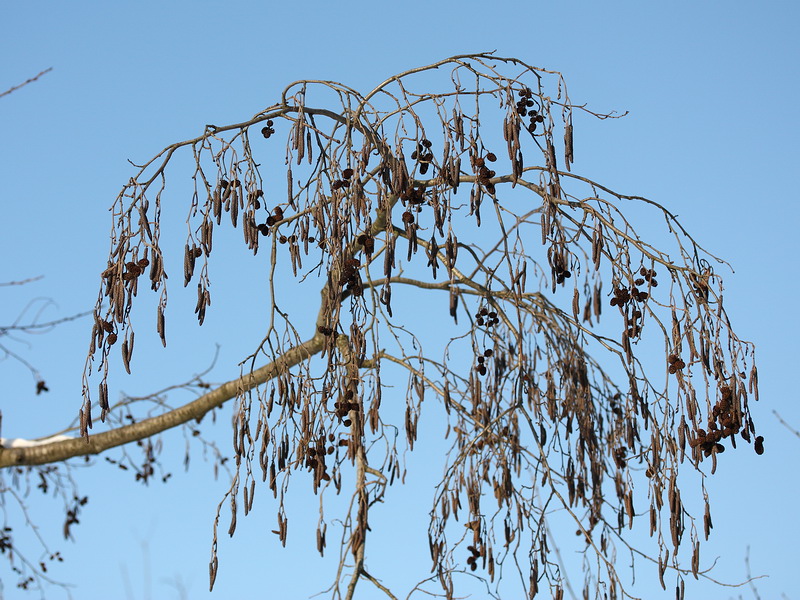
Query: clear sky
(711, 89)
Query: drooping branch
(436, 191)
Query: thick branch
(94, 444)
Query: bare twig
(785, 424)
(24, 83)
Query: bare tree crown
(448, 181)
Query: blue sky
(710, 87)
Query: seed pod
(298, 139)
(455, 171)
(597, 245)
(188, 265)
(214, 564)
(85, 422)
(234, 207)
(103, 396)
(199, 308)
(232, 527)
(126, 357)
(454, 303)
(156, 269)
(629, 508)
(144, 222)
(289, 192)
(451, 251)
(216, 205)
(458, 126)
(207, 236)
(568, 153)
(160, 325)
(575, 303)
(696, 559)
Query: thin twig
(24, 83)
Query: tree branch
(24, 83)
(94, 444)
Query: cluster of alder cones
(723, 423)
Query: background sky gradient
(711, 89)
